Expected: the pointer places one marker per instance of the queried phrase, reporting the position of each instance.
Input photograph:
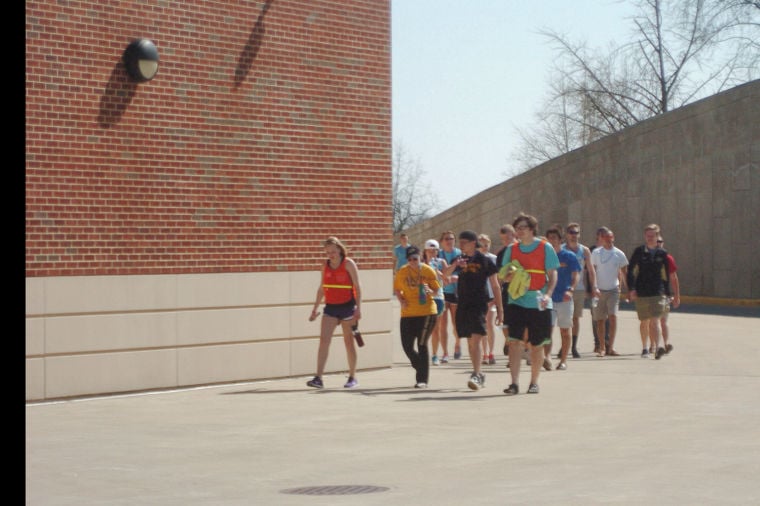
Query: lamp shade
(141, 60)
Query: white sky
(467, 72)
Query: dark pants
(417, 329)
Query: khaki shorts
(579, 299)
(607, 306)
(652, 307)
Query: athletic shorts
(504, 304)
(563, 314)
(439, 305)
(607, 306)
(579, 298)
(341, 311)
(538, 323)
(651, 307)
(471, 320)
(451, 298)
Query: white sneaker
(474, 382)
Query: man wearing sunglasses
(474, 270)
(587, 274)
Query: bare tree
(679, 51)
(413, 198)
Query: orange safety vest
(534, 264)
(337, 284)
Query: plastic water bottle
(594, 302)
(540, 301)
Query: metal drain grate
(335, 490)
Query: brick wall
(266, 129)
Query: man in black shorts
(531, 286)
(474, 270)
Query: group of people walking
(534, 283)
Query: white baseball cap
(431, 244)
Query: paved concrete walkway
(624, 430)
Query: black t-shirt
(471, 287)
(648, 272)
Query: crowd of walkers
(537, 280)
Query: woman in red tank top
(342, 295)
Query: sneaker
(668, 348)
(315, 382)
(445, 359)
(660, 353)
(512, 389)
(645, 353)
(492, 360)
(420, 385)
(485, 360)
(435, 360)
(562, 366)
(533, 388)
(474, 382)
(482, 380)
(457, 353)
(547, 364)
(351, 383)
(576, 354)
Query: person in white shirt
(610, 265)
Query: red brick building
(200, 197)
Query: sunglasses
(573, 232)
(522, 227)
(660, 242)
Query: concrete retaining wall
(695, 171)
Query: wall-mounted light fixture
(141, 60)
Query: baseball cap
(431, 244)
(469, 235)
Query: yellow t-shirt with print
(407, 282)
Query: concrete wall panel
(694, 171)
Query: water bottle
(422, 296)
(540, 301)
(594, 302)
(357, 335)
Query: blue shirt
(568, 263)
(400, 252)
(449, 257)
